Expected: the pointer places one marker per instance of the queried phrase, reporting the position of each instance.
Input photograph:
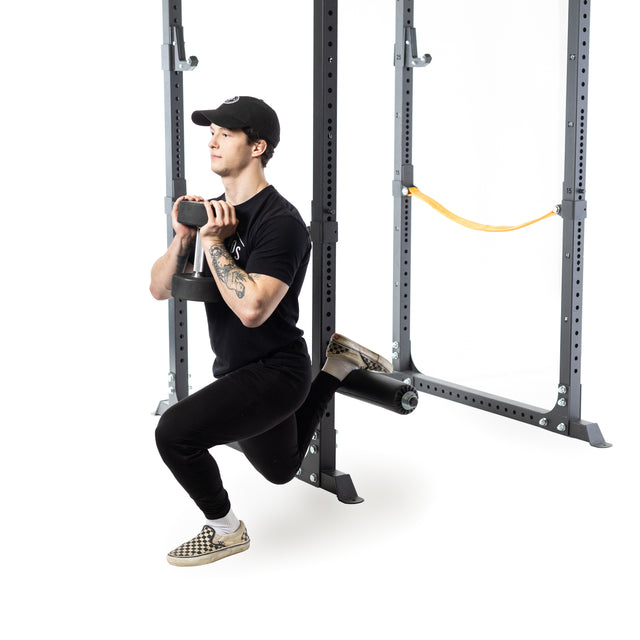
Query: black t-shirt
(271, 239)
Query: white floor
(472, 526)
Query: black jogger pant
(269, 410)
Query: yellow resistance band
(414, 191)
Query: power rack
(565, 417)
(319, 466)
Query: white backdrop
(472, 526)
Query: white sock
(225, 526)
(339, 368)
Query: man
(257, 249)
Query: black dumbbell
(194, 286)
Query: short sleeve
(279, 248)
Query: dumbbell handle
(198, 260)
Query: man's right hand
(186, 235)
(176, 257)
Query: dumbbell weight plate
(186, 286)
(192, 214)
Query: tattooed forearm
(227, 270)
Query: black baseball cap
(241, 112)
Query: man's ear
(258, 148)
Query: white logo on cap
(232, 100)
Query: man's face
(229, 150)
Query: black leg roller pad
(381, 390)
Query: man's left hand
(222, 222)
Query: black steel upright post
(174, 63)
(319, 466)
(564, 418)
(405, 59)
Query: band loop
(414, 191)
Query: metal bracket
(323, 232)
(178, 61)
(411, 58)
(404, 175)
(573, 209)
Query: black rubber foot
(342, 485)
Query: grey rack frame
(565, 417)
(174, 63)
(319, 466)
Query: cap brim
(213, 116)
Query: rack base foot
(342, 485)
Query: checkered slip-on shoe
(341, 347)
(208, 547)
